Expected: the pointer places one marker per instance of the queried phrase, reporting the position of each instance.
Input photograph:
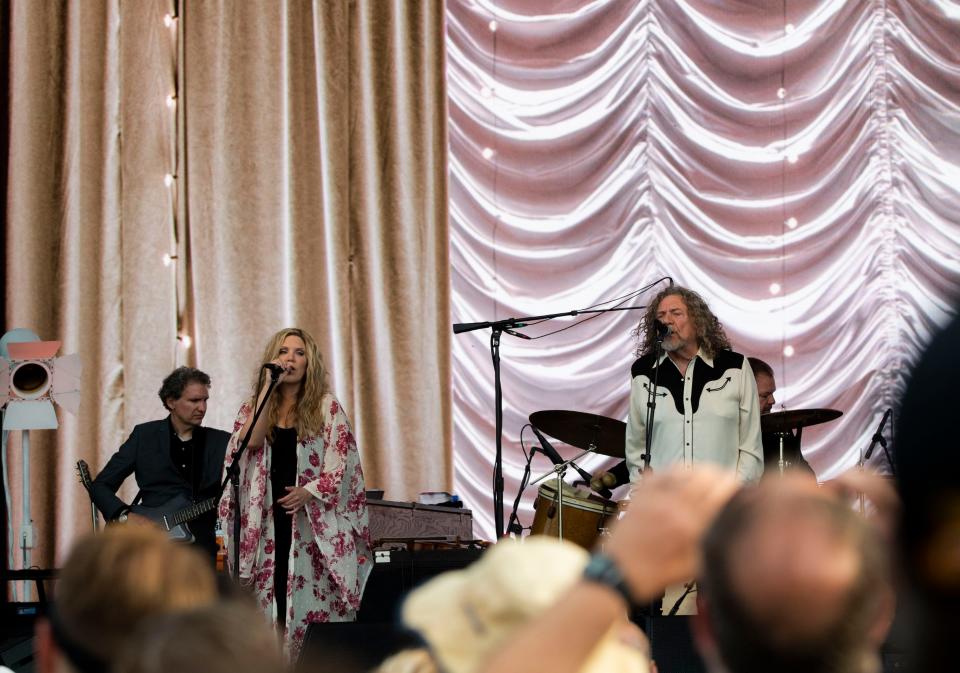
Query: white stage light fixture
(32, 378)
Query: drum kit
(568, 513)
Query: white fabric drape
(797, 163)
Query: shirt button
(688, 422)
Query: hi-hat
(582, 430)
(785, 421)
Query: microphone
(555, 458)
(661, 330)
(275, 369)
(878, 436)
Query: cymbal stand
(780, 462)
(560, 470)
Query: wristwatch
(604, 570)
(122, 517)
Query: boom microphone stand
(509, 326)
(233, 472)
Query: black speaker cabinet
(349, 647)
(396, 572)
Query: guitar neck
(193, 511)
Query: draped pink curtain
(797, 163)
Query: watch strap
(604, 570)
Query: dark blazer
(146, 454)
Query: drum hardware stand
(560, 469)
(508, 325)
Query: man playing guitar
(177, 463)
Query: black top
(283, 461)
(183, 455)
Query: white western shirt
(711, 414)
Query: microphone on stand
(555, 458)
(878, 436)
(661, 329)
(274, 368)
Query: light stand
(32, 378)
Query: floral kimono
(330, 557)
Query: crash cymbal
(583, 430)
(785, 421)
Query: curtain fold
(305, 147)
(794, 162)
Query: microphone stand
(865, 456)
(652, 403)
(497, 328)
(233, 473)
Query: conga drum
(584, 518)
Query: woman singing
(304, 545)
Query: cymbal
(784, 421)
(577, 428)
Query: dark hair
(750, 644)
(710, 332)
(760, 367)
(173, 386)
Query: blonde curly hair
(308, 414)
(710, 333)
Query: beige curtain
(306, 143)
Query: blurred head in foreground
(231, 637)
(464, 615)
(109, 583)
(927, 459)
(795, 581)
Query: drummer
(793, 458)
(707, 406)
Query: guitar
(84, 473)
(174, 515)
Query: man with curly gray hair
(706, 396)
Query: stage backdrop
(795, 162)
(305, 148)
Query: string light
(168, 258)
(168, 179)
(169, 20)
(775, 288)
(171, 101)
(488, 153)
(493, 26)
(791, 223)
(185, 340)
(792, 158)
(789, 28)
(788, 351)
(781, 93)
